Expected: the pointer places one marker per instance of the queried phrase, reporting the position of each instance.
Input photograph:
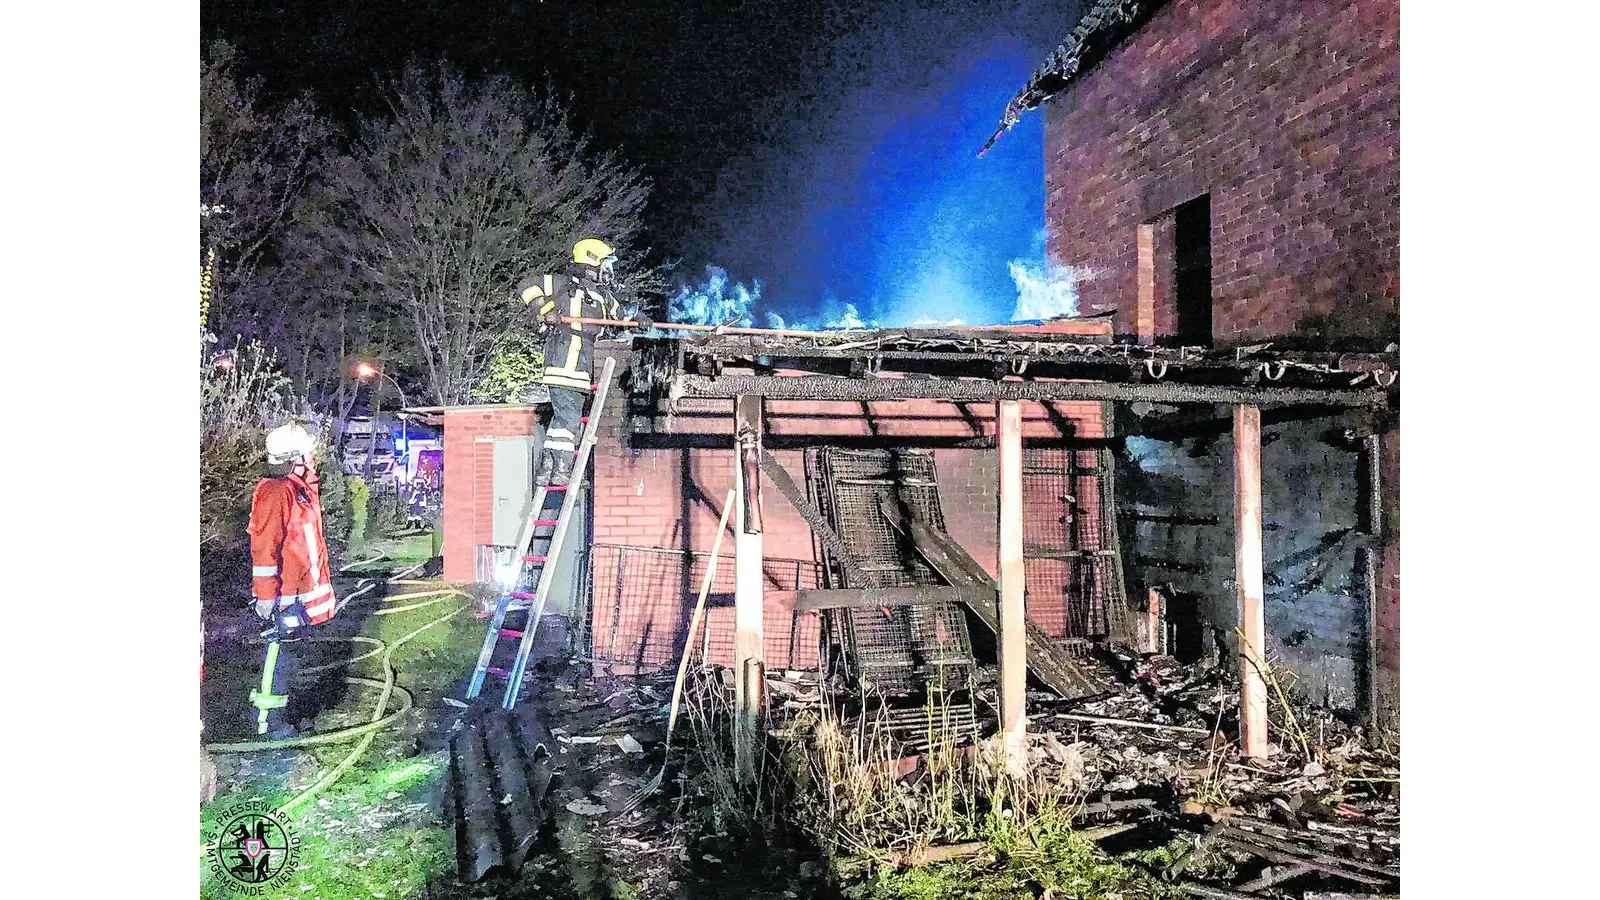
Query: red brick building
(670, 498)
(1227, 172)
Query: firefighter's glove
(642, 322)
(264, 609)
(551, 318)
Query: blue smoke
(893, 220)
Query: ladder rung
(583, 419)
(521, 595)
(547, 522)
(555, 487)
(510, 633)
(497, 671)
(533, 558)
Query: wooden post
(1013, 611)
(1247, 578)
(749, 675)
(1155, 634)
(1144, 318)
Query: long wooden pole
(719, 329)
(1013, 614)
(699, 612)
(749, 676)
(1248, 579)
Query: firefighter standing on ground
(586, 290)
(292, 582)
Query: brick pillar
(460, 473)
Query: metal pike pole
(717, 329)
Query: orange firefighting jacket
(287, 549)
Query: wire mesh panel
(1075, 586)
(644, 597)
(895, 649)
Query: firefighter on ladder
(292, 583)
(586, 290)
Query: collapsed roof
(994, 363)
(1098, 32)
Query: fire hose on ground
(381, 717)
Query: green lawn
(377, 831)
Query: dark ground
(382, 830)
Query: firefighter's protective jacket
(288, 552)
(569, 349)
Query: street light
(366, 371)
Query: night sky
(827, 148)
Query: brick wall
(469, 480)
(1287, 114)
(670, 498)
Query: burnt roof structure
(1106, 24)
(986, 364)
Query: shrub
(238, 406)
(386, 514)
(359, 496)
(336, 511)
(514, 366)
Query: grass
(399, 552)
(1047, 860)
(374, 832)
(350, 850)
(841, 787)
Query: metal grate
(1074, 569)
(644, 599)
(901, 649)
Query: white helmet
(287, 443)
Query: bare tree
(465, 188)
(255, 163)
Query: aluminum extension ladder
(540, 565)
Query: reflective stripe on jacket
(288, 553)
(569, 348)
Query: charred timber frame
(831, 387)
(930, 345)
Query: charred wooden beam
(521, 814)
(1170, 519)
(826, 387)
(1322, 863)
(478, 829)
(870, 598)
(1052, 665)
(779, 476)
(1196, 422)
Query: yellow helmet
(591, 252)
